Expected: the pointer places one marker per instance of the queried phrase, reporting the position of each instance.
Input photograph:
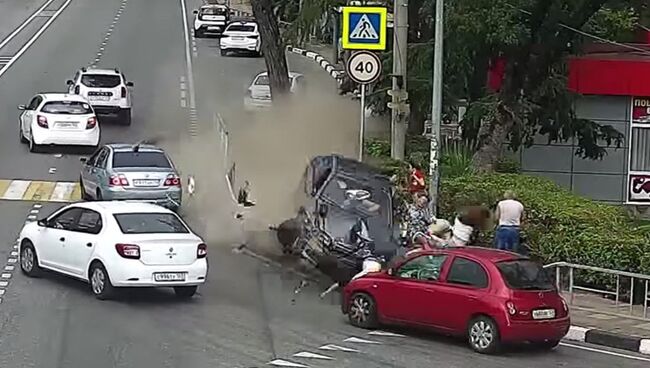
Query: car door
(87, 172)
(462, 291)
(411, 297)
(82, 243)
(53, 239)
(27, 115)
(97, 172)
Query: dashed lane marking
(41, 191)
(108, 33)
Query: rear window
(263, 80)
(67, 107)
(141, 159)
(525, 275)
(213, 11)
(150, 223)
(240, 28)
(101, 80)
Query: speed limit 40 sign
(364, 67)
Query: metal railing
(224, 148)
(633, 277)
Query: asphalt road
(247, 314)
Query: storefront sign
(641, 110)
(639, 188)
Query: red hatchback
(491, 296)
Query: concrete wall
(603, 180)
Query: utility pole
(399, 104)
(436, 107)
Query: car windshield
(213, 11)
(262, 80)
(523, 274)
(67, 107)
(240, 28)
(141, 159)
(354, 195)
(150, 223)
(101, 80)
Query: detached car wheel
(483, 335)
(362, 311)
(29, 260)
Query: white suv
(106, 89)
(211, 19)
(241, 37)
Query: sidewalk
(600, 321)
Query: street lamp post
(436, 107)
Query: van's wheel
(29, 260)
(483, 335)
(362, 311)
(185, 292)
(100, 283)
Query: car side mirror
(42, 222)
(69, 82)
(22, 107)
(322, 210)
(129, 84)
(83, 159)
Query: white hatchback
(116, 244)
(58, 119)
(241, 37)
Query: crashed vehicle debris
(347, 213)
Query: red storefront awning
(610, 74)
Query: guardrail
(633, 277)
(224, 147)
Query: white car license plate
(98, 98)
(169, 276)
(544, 314)
(145, 183)
(66, 125)
(238, 38)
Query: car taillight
(76, 89)
(42, 121)
(123, 92)
(201, 251)
(172, 181)
(118, 181)
(92, 122)
(130, 251)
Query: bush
(560, 226)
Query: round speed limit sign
(364, 67)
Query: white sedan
(116, 244)
(58, 119)
(241, 37)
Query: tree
(273, 47)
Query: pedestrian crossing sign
(364, 28)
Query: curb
(330, 68)
(605, 338)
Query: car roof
(207, 6)
(57, 96)
(291, 74)
(243, 23)
(124, 147)
(115, 207)
(104, 71)
(485, 254)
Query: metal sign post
(363, 67)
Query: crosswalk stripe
(39, 191)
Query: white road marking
(24, 24)
(14, 254)
(4, 283)
(332, 347)
(310, 355)
(5, 276)
(9, 268)
(183, 103)
(360, 341)
(606, 352)
(2, 292)
(286, 363)
(16, 189)
(34, 37)
(384, 333)
(188, 56)
(12, 260)
(34, 211)
(62, 191)
(52, 170)
(37, 205)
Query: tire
(84, 195)
(185, 292)
(29, 260)
(198, 33)
(224, 52)
(21, 135)
(125, 117)
(483, 335)
(548, 345)
(33, 147)
(100, 282)
(98, 195)
(362, 311)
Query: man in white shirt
(509, 214)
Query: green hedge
(560, 225)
